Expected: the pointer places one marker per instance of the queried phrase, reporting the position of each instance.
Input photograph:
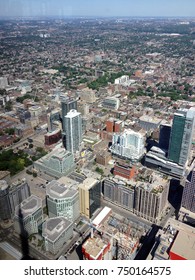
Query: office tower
(62, 200)
(67, 104)
(73, 131)
(18, 192)
(188, 197)
(29, 214)
(5, 209)
(164, 136)
(11, 196)
(57, 163)
(129, 144)
(56, 232)
(181, 136)
(89, 196)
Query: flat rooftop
(184, 245)
(54, 227)
(94, 246)
(57, 190)
(88, 183)
(29, 206)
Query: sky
(104, 8)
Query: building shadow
(175, 194)
(147, 243)
(23, 238)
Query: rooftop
(58, 190)
(29, 206)
(184, 245)
(54, 227)
(88, 183)
(94, 246)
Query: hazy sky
(97, 8)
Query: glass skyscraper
(73, 131)
(181, 136)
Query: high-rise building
(181, 136)
(11, 196)
(62, 200)
(29, 215)
(73, 131)
(188, 197)
(18, 192)
(67, 104)
(129, 144)
(56, 232)
(120, 192)
(5, 210)
(89, 196)
(151, 198)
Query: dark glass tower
(94, 198)
(67, 105)
(188, 197)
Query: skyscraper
(188, 197)
(67, 105)
(5, 210)
(181, 136)
(73, 131)
(89, 196)
(62, 200)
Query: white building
(56, 232)
(123, 79)
(73, 130)
(62, 200)
(129, 144)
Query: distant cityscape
(97, 139)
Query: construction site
(120, 236)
